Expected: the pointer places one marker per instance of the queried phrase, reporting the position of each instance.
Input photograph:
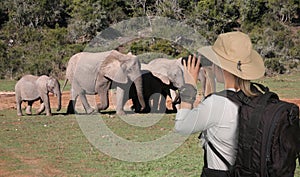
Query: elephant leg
(42, 107)
(75, 92)
(120, 101)
(46, 101)
(162, 103)
(155, 98)
(71, 107)
(72, 103)
(88, 109)
(29, 108)
(175, 99)
(103, 94)
(19, 108)
(136, 107)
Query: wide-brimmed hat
(233, 52)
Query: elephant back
(26, 88)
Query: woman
(235, 63)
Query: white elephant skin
(96, 73)
(31, 88)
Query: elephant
(96, 73)
(160, 76)
(31, 88)
(153, 90)
(169, 67)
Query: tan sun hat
(233, 52)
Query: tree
(212, 17)
(285, 10)
(38, 13)
(87, 18)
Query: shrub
(274, 65)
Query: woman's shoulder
(216, 98)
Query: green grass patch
(9, 85)
(287, 86)
(56, 146)
(35, 144)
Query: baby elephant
(32, 88)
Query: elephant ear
(162, 77)
(112, 68)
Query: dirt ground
(7, 101)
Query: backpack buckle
(244, 98)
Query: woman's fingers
(189, 61)
(184, 65)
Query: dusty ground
(7, 101)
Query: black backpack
(269, 135)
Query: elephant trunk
(139, 91)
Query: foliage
(87, 18)
(38, 37)
(154, 45)
(274, 65)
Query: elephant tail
(64, 85)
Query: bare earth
(7, 101)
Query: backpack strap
(237, 97)
(228, 165)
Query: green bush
(275, 66)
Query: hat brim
(249, 71)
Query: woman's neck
(230, 81)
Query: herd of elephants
(147, 85)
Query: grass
(37, 144)
(57, 145)
(7, 85)
(287, 86)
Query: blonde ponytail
(244, 85)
